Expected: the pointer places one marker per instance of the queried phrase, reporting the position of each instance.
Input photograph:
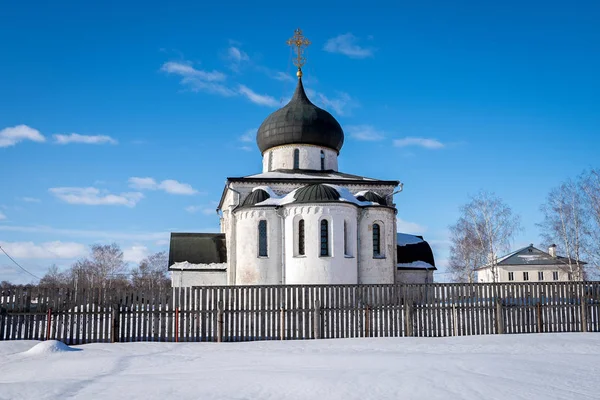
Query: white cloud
(198, 80)
(52, 250)
(85, 139)
(92, 196)
(135, 254)
(260, 99)
(169, 185)
(364, 132)
(346, 44)
(246, 148)
(421, 142)
(342, 104)
(2, 216)
(237, 55)
(31, 200)
(249, 136)
(206, 210)
(13, 135)
(410, 227)
(92, 234)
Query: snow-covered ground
(547, 366)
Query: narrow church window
(324, 238)
(376, 240)
(296, 159)
(270, 161)
(301, 237)
(262, 238)
(346, 249)
(322, 161)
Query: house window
(511, 276)
(376, 240)
(555, 275)
(324, 238)
(540, 275)
(322, 161)
(262, 238)
(301, 237)
(525, 276)
(296, 159)
(570, 276)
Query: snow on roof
(276, 200)
(415, 265)
(402, 239)
(186, 266)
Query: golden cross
(301, 43)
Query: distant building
(302, 221)
(530, 264)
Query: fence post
(499, 317)
(317, 320)
(367, 321)
(540, 324)
(584, 327)
(176, 324)
(48, 324)
(282, 324)
(220, 321)
(408, 318)
(114, 337)
(454, 320)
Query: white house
(530, 264)
(301, 220)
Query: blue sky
(501, 97)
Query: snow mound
(49, 347)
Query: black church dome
(300, 122)
(316, 193)
(257, 196)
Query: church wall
(309, 158)
(414, 276)
(198, 278)
(337, 268)
(250, 268)
(380, 269)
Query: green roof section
(316, 193)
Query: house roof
(197, 248)
(413, 253)
(531, 255)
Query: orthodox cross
(300, 42)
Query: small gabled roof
(197, 248)
(531, 255)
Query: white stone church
(302, 221)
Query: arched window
(346, 240)
(322, 161)
(296, 159)
(324, 237)
(270, 161)
(301, 237)
(262, 238)
(376, 240)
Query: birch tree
(589, 184)
(565, 224)
(486, 226)
(151, 273)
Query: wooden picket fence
(243, 313)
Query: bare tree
(104, 268)
(55, 278)
(486, 226)
(589, 184)
(152, 272)
(565, 223)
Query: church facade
(301, 220)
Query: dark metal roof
(197, 248)
(316, 193)
(300, 122)
(420, 251)
(532, 256)
(255, 197)
(372, 197)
